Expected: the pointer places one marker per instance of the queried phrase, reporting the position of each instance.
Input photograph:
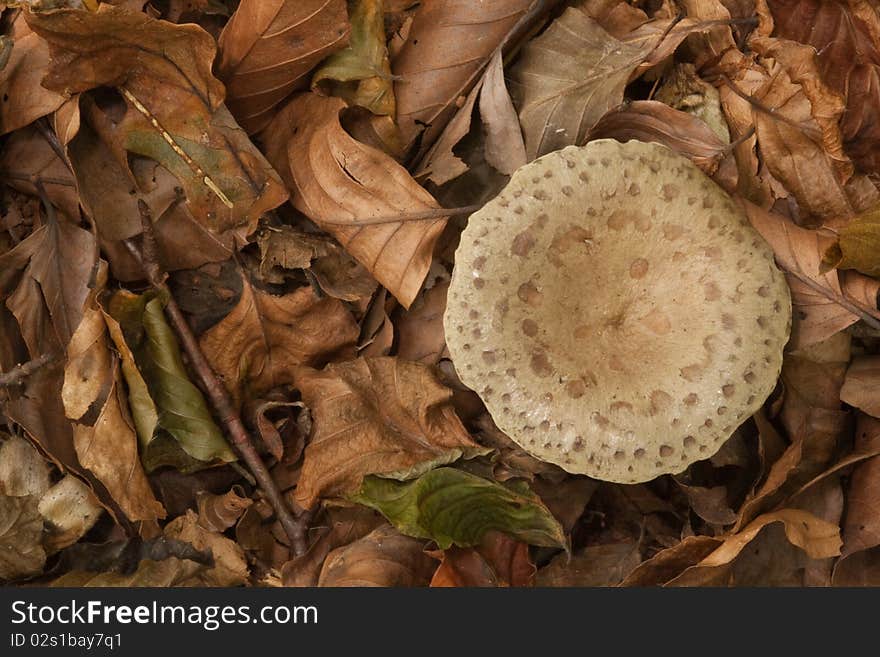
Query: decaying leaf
(259, 345)
(175, 113)
(22, 470)
(21, 532)
(498, 561)
(858, 244)
(220, 512)
(340, 183)
(450, 507)
(861, 387)
(384, 557)
(268, 48)
(376, 416)
(597, 565)
(69, 510)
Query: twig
(418, 215)
(214, 389)
(19, 373)
(850, 305)
(771, 111)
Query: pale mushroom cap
(616, 312)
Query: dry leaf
(861, 387)
(229, 567)
(265, 338)
(69, 510)
(421, 337)
(337, 182)
(861, 529)
(857, 245)
(267, 49)
(175, 113)
(21, 532)
(449, 43)
(22, 470)
(376, 416)
(24, 99)
(220, 512)
(382, 558)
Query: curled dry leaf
(336, 181)
(268, 48)
(220, 512)
(383, 557)
(176, 114)
(24, 99)
(844, 35)
(259, 345)
(379, 416)
(449, 43)
(229, 566)
(69, 510)
(568, 77)
(650, 120)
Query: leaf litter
(303, 172)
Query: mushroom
(616, 312)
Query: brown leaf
(376, 416)
(268, 48)
(421, 337)
(24, 99)
(861, 528)
(817, 537)
(844, 35)
(669, 563)
(596, 565)
(22, 470)
(261, 342)
(650, 120)
(505, 149)
(337, 181)
(568, 77)
(229, 567)
(450, 41)
(346, 525)
(382, 558)
(857, 245)
(21, 530)
(799, 251)
(175, 112)
(499, 561)
(862, 385)
(69, 510)
(220, 512)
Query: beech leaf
(453, 507)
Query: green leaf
(858, 245)
(172, 418)
(361, 73)
(454, 507)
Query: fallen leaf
(421, 337)
(844, 37)
(568, 77)
(381, 416)
(337, 182)
(861, 528)
(259, 345)
(862, 384)
(69, 510)
(449, 43)
(450, 507)
(650, 120)
(184, 434)
(22, 470)
(229, 567)
(21, 532)
(106, 443)
(383, 557)
(499, 561)
(175, 114)
(361, 73)
(505, 149)
(857, 245)
(667, 564)
(596, 565)
(268, 48)
(24, 99)
(220, 512)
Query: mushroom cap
(616, 312)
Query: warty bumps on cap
(616, 312)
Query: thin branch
(214, 388)
(772, 111)
(19, 373)
(855, 308)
